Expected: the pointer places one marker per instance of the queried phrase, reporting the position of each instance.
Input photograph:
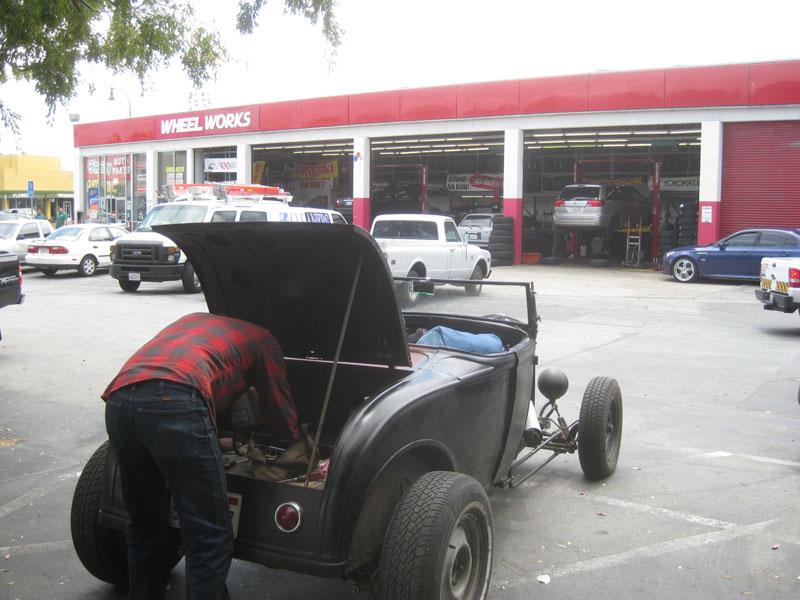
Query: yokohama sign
(209, 122)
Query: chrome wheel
(684, 270)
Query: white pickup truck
(780, 284)
(428, 246)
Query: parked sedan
(17, 234)
(85, 247)
(737, 256)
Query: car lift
(633, 243)
(654, 215)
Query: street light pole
(111, 97)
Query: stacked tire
(667, 239)
(687, 224)
(501, 241)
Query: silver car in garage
(602, 205)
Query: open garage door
(760, 176)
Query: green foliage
(47, 41)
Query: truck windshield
(171, 214)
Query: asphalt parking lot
(704, 503)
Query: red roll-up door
(760, 175)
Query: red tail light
(288, 517)
(794, 278)
(595, 203)
(58, 250)
(559, 203)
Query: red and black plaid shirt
(221, 357)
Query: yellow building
(52, 187)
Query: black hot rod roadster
(404, 437)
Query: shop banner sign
(473, 183)
(92, 165)
(117, 166)
(316, 170)
(680, 184)
(220, 165)
(314, 184)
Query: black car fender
(385, 491)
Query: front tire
(477, 275)
(190, 281)
(600, 427)
(684, 270)
(87, 266)
(405, 291)
(439, 543)
(129, 286)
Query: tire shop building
(717, 144)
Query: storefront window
(171, 168)
(135, 213)
(110, 189)
(219, 164)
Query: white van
(145, 255)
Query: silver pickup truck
(779, 284)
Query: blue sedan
(737, 256)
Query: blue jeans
(165, 442)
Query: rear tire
(600, 427)
(87, 266)
(101, 550)
(48, 271)
(439, 543)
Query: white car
(85, 247)
(476, 228)
(16, 235)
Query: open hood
(295, 279)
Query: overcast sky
(399, 44)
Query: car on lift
(404, 438)
(737, 256)
(608, 206)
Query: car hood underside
(296, 280)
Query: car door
(731, 257)
(772, 243)
(28, 232)
(459, 266)
(100, 240)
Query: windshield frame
(173, 208)
(523, 297)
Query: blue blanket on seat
(480, 343)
